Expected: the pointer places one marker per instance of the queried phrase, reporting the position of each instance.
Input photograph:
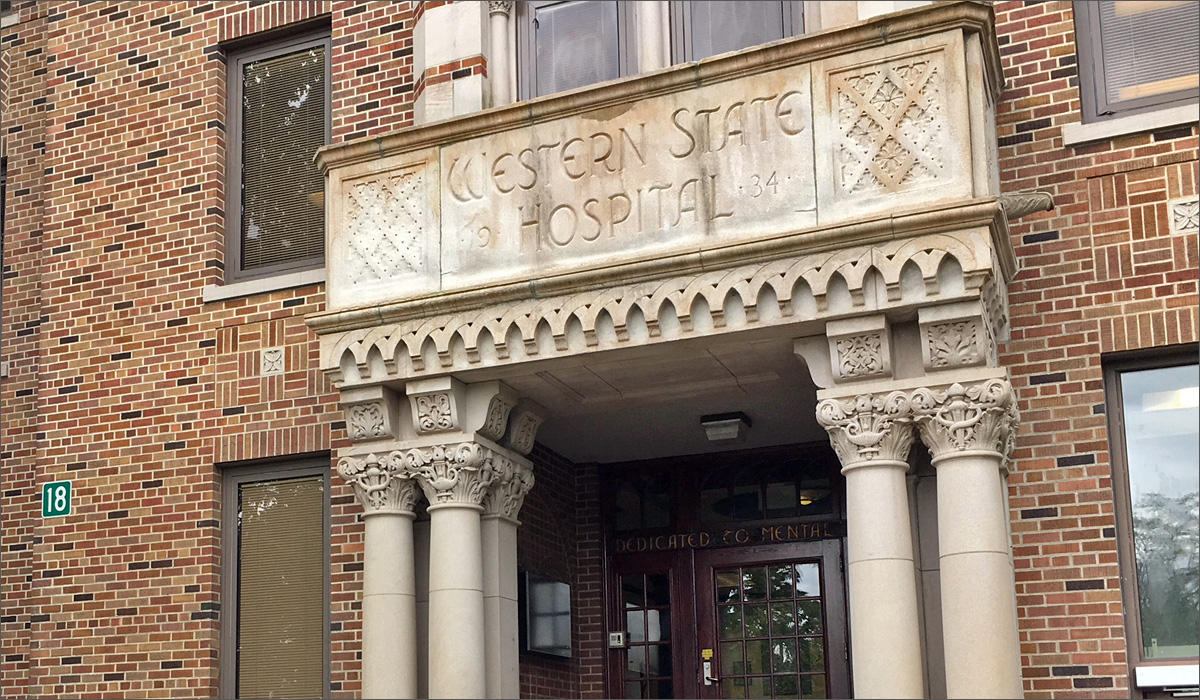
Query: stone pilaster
(513, 480)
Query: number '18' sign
(56, 499)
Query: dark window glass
(278, 196)
(1137, 55)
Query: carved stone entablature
(514, 479)
(860, 348)
(978, 417)
(383, 484)
(955, 335)
(868, 428)
(456, 473)
(892, 273)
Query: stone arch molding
(890, 274)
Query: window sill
(1132, 124)
(221, 292)
(1166, 675)
(9, 19)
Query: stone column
(389, 646)
(455, 478)
(970, 432)
(872, 435)
(514, 479)
(499, 60)
(651, 30)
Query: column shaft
(884, 627)
(456, 621)
(650, 33)
(389, 648)
(498, 63)
(979, 610)
(421, 564)
(500, 606)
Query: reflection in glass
(1162, 413)
(633, 689)
(781, 582)
(783, 618)
(758, 656)
(812, 654)
(754, 583)
(635, 662)
(658, 590)
(808, 580)
(731, 659)
(728, 586)
(756, 620)
(786, 687)
(809, 614)
(758, 687)
(659, 660)
(813, 686)
(635, 626)
(660, 689)
(733, 687)
(783, 656)
(781, 499)
(731, 622)
(658, 625)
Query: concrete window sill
(1135, 123)
(222, 292)
(1167, 676)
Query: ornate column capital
(979, 417)
(452, 474)
(382, 484)
(514, 479)
(868, 428)
(499, 7)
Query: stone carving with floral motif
(977, 417)
(434, 413)
(366, 421)
(868, 427)
(860, 355)
(382, 484)
(514, 479)
(458, 473)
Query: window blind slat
(727, 25)
(1150, 52)
(283, 124)
(281, 589)
(576, 44)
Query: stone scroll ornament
(382, 484)
(979, 417)
(868, 427)
(458, 473)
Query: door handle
(708, 678)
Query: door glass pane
(658, 625)
(729, 585)
(733, 687)
(1161, 436)
(731, 659)
(660, 689)
(812, 654)
(783, 656)
(634, 589)
(576, 45)
(633, 689)
(809, 615)
(786, 687)
(808, 580)
(754, 584)
(731, 621)
(758, 656)
(813, 686)
(781, 582)
(658, 660)
(783, 618)
(635, 625)
(756, 620)
(635, 662)
(759, 687)
(658, 590)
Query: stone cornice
(880, 31)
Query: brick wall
(1101, 273)
(121, 378)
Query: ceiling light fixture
(725, 428)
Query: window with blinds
(276, 550)
(1135, 56)
(565, 45)
(703, 29)
(279, 117)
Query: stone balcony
(823, 176)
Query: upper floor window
(1154, 419)
(565, 45)
(278, 118)
(703, 29)
(1136, 56)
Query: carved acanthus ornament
(524, 431)
(977, 417)
(366, 421)
(499, 7)
(382, 484)
(513, 481)
(954, 344)
(457, 473)
(860, 356)
(434, 412)
(868, 427)
(496, 422)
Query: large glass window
(701, 29)
(276, 553)
(1157, 458)
(278, 118)
(565, 45)
(1136, 55)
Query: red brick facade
(120, 378)
(1099, 274)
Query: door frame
(833, 583)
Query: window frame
(1094, 103)
(232, 477)
(1114, 404)
(236, 58)
(681, 26)
(526, 53)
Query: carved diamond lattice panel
(1184, 215)
(892, 126)
(385, 227)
